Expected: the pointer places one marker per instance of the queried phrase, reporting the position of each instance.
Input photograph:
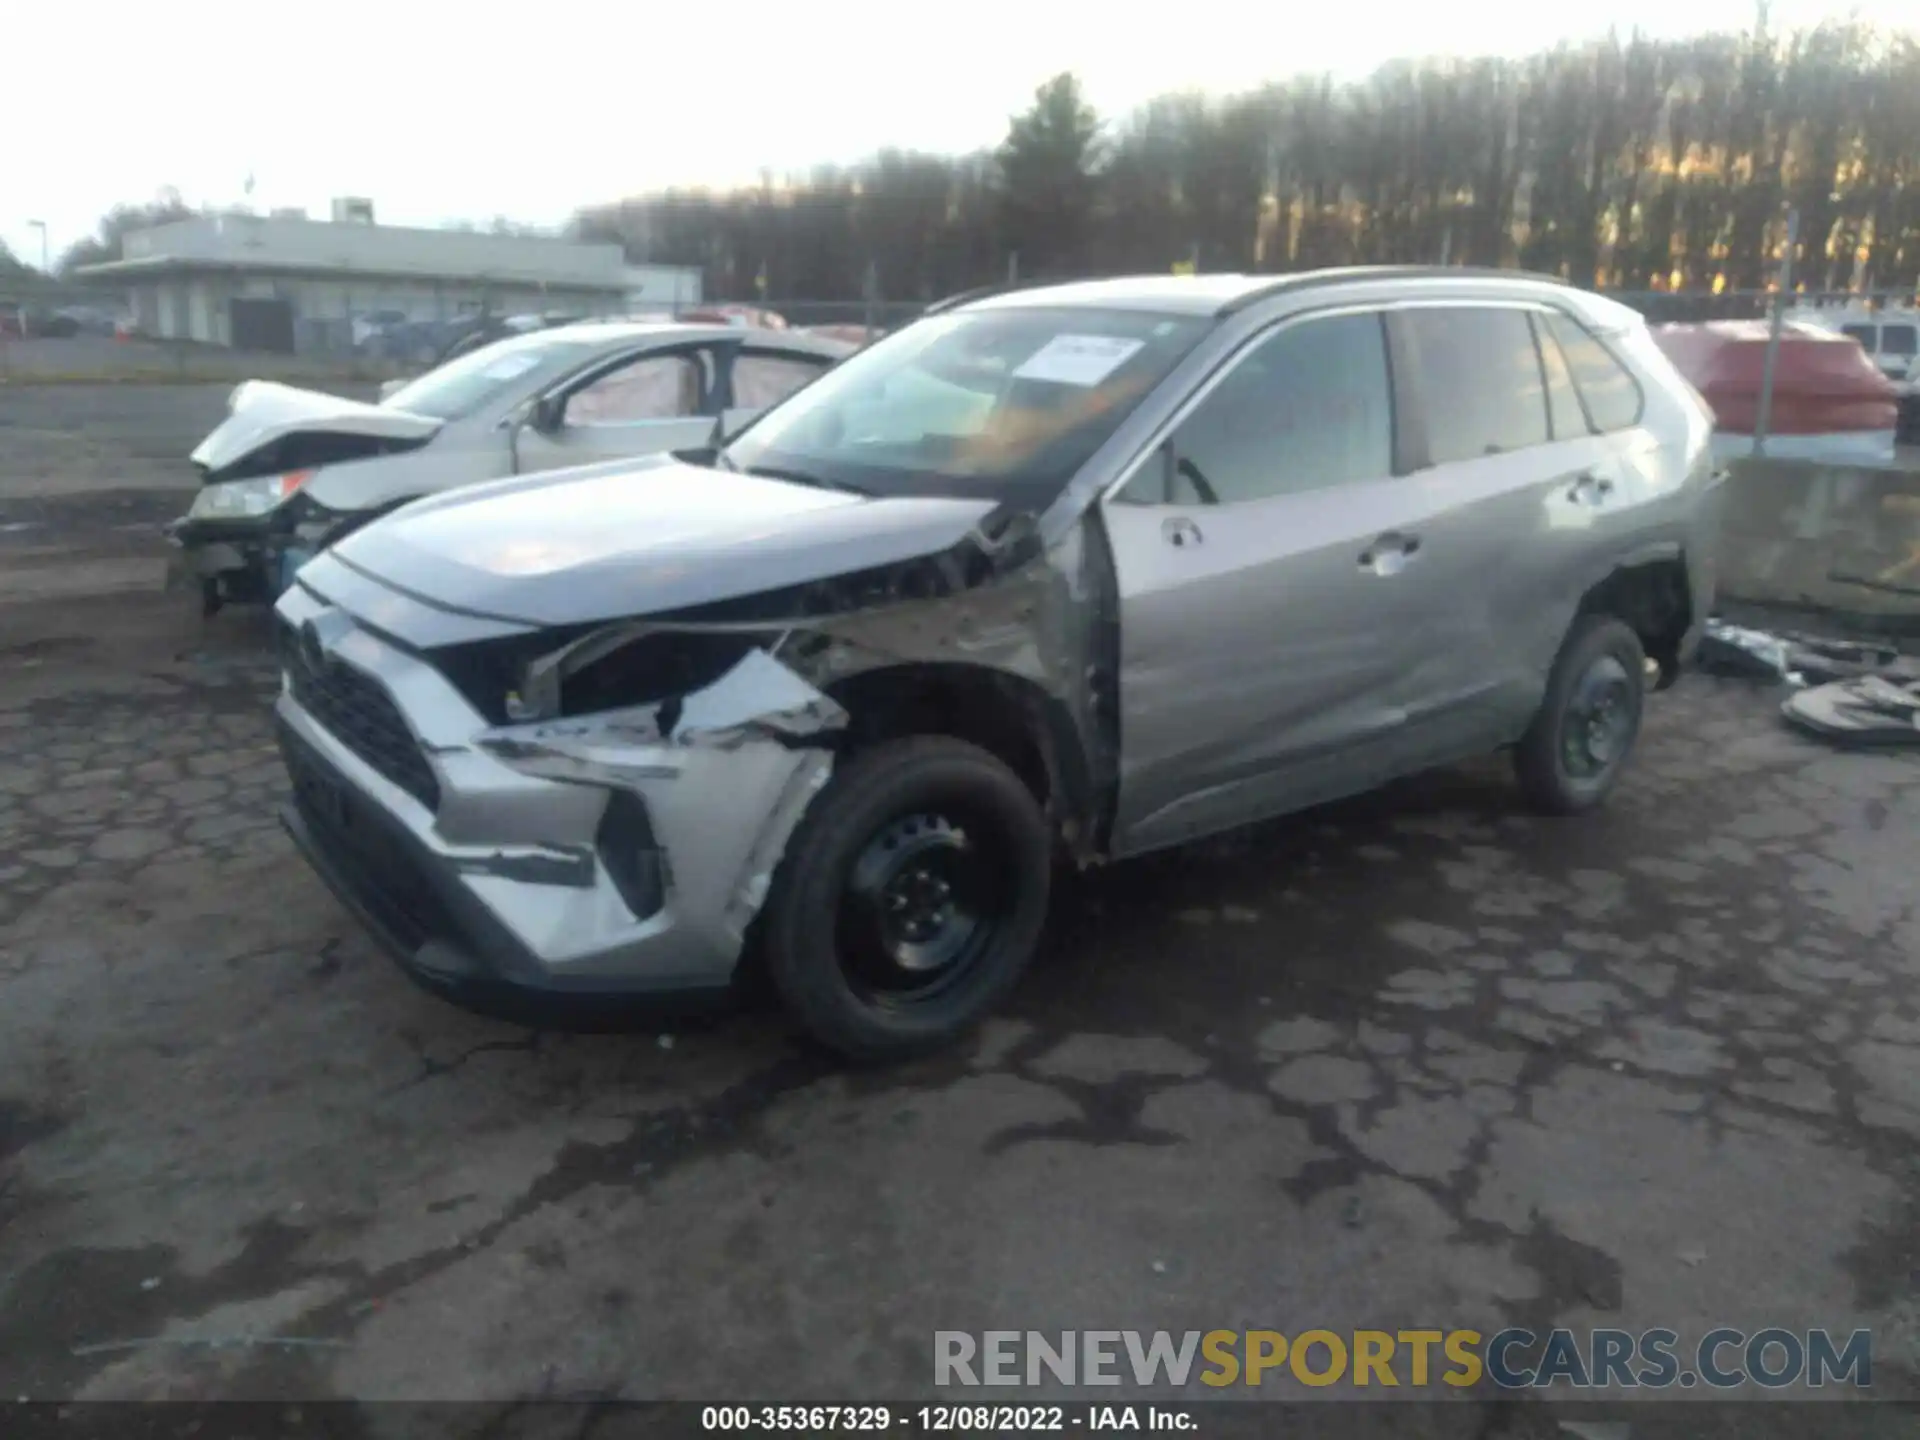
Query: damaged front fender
(725, 774)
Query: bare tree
(1630, 164)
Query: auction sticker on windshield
(1077, 359)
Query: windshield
(463, 385)
(1004, 404)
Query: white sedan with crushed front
(289, 471)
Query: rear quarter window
(1607, 388)
(1899, 339)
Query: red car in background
(1829, 402)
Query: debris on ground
(1869, 712)
(1827, 660)
(1743, 654)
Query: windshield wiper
(801, 477)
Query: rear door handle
(1389, 553)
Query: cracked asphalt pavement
(1417, 1060)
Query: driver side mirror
(546, 413)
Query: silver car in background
(290, 471)
(1079, 572)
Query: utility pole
(1781, 301)
(1013, 268)
(41, 226)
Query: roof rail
(1356, 274)
(1005, 287)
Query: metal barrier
(1838, 539)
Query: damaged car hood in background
(263, 412)
(640, 539)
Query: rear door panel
(1518, 492)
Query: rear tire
(1572, 754)
(911, 897)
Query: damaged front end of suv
(605, 808)
(724, 722)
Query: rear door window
(766, 377)
(1899, 339)
(1611, 394)
(1481, 377)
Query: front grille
(358, 713)
(384, 874)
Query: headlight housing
(245, 499)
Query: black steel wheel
(1600, 719)
(911, 897)
(1572, 755)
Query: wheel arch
(1010, 716)
(1650, 592)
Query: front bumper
(238, 562)
(586, 857)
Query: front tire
(1572, 755)
(911, 898)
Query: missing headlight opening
(756, 699)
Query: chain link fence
(82, 333)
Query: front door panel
(1269, 567)
(1261, 662)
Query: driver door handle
(1180, 532)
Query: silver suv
(1077, 572)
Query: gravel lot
(91, 357)
(1420, 1060)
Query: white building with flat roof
(286, 283)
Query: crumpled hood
(260, 412)
(639, 538)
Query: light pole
(41, 226)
